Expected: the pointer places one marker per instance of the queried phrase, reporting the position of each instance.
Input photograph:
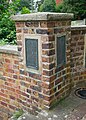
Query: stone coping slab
(10, 49)
(79, 27)
(78, 22)
(42, 16)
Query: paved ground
(72, 108)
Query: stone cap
(42, 16)
(78, 22)
(10, 49)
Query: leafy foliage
(48, 6)
(73, 6)
(25, 10)
(3, 6)
(7, 26)
(17, 114)
(59, 7)
(27, 3)
(7, 29)
(38, 4)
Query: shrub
(48, 6)
(25, 10)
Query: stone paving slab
(27, 116)
(77, 113)
(84, 118)
(72, 108)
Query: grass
(17, 114)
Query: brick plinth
(33, 90)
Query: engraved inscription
(31, 48)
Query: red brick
(18, 30)
(52, 78)
(48, 59)
(49, 66)
(19, 24)
(7, 60)
(12, 107)
(34, 75)
(18, 91)
(32, 24)
(19, 42)
(34, 98)
(59, 30)
(47, 73)
(11, 80)
(75, 32)
(48, 98)
(45, 31)
(59, 86)
(12, 97)
(19, 37)
(25, 94)
(47, 46)
(3, 103)
(58, 81)
(48, 52)
(16, 62)
(25, 30)
(80, 43)
(12, 89)
(43, 24)
(15, 76)
(51, 24)
(3, 94)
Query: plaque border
(84, 58)
(39, 53)
(66, 37)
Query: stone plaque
(61, 50)
(31, 49)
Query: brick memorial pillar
(44, 44)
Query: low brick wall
(78, 69)
(18, 88)
(9, 76)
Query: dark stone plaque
(85, 58)
(31, 49)
(61, 50)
